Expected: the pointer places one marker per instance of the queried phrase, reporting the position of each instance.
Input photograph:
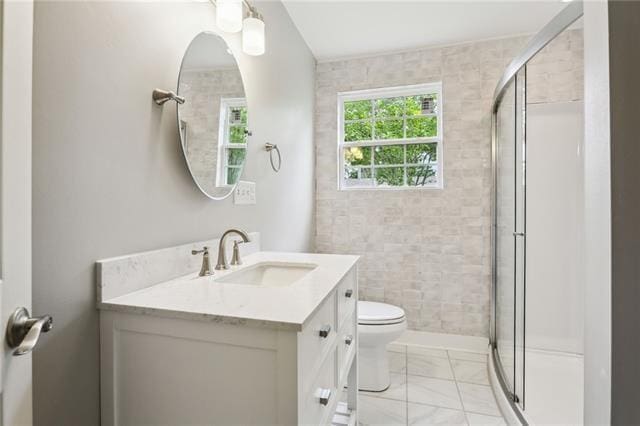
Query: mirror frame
(180, 135)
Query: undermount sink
(269, 274)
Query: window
(390, 138)
(232, 140)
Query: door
(505, 225)
(16, 29)
(510, 234)
(520, 234)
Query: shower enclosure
(536, 319)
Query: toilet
(378, 325)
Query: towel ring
(270, 148)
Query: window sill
(393, 188)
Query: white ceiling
(334, 29)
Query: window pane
(420, 127)
(237, 115)
(232, 175)
(389, 107)
(389, 129)
(357, 156)
(389, 154)
(236, 156)
(422, 153)
(389, 176)
(237, 134)
(357, 176)
(359, 131)
(420, 176)
(357, 110)
(350, 172)
(422, 104)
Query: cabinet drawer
(317, 337)
(347, 295)
(320, 398)
(346, 344)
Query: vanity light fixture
(229, 19)
(253, 33)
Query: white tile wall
(428, 250)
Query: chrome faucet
(205, 270)
(222, 258)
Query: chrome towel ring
(270, 148)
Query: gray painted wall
(109, 177)
(624, 67)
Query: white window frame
(223, 139)
(391, 92)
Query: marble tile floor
(432, 387)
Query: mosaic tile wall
(428, 250)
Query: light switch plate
(245, 193)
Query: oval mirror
(213, 119)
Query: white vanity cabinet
(178, 366)
(327, 348)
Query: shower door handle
(519, 234)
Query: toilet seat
(375, 313)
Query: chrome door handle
(518, 234)
(348, 339)
(348, 293)
(23, 331)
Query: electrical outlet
(245, 193)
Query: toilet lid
(379, 313)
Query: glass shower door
(537, 297)
(505, 128)
(519, 233)
(509, 238)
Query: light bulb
(229, 15)
(253, 39)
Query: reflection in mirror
(213, 120)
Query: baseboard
(445, 341)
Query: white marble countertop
(204, 298)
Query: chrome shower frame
(555, 27)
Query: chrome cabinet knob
(348, 293)
(348, 339)
(324, 331)
(324, 395)
(23, 331)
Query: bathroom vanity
(271, 341)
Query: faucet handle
(206, 263)
(235, 259)
(204, 250)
